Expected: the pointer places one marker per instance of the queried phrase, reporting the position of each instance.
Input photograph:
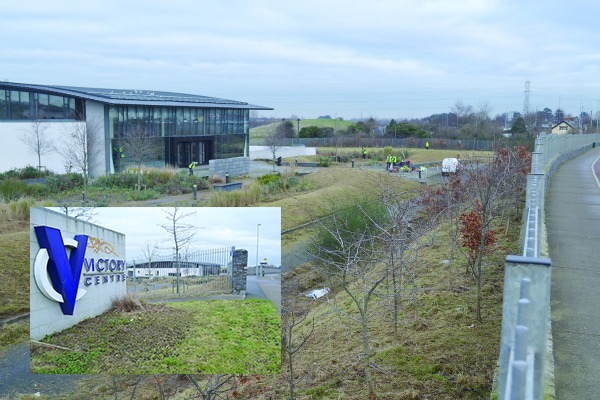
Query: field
(263, 130)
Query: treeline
(463, 122)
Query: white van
(450, 166)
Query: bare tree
(482, 120)
(463, 112)
(274, 141)
(489, 184)
(82, 213)
(347, 249)
(399, 236)
(293, 314)
(38, 140)
(140, 145)
(150, 251)
(182, 233)
(82, 142)
(447, 200)
(214, 386)
(223, 386)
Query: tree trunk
(291, 376)
(367, 353)
(478, 310)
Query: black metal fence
(434, 143)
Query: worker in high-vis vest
(119, 151)
(192, 166)
(364, 153)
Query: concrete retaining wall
(263, 152)
(233, 166)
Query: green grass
(236, 336)
(263, 130)
(220, 336)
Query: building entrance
(186, 151)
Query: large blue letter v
(64, 272)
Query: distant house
(564, 127)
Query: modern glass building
(181, 127)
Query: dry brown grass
(339, 186)
(131, 303)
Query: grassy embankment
(441, 351)
(14, 270)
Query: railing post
(529, 278)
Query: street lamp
(257, 226)
(298, 131)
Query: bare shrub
(215, 179)
(128, 303)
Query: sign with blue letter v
(64, 271)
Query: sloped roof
(134, 96)
(566, 122)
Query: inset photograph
(158, 290)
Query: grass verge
(236, 336)
(187, 337)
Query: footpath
(572, 205)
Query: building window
(3, 105)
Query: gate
(195, 274)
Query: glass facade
(188, 134)
(180, 132)
(178, 121)
(21, 105)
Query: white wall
(46, 315)
(94, 114)
(15, 154)
(164, 272)
(264, 152)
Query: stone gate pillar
(240, 262)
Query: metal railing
(359, 141)
(527, 278)
(195, 274)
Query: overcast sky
(217, 227)
(346, 58)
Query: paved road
(15, 376)
(573, 227)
